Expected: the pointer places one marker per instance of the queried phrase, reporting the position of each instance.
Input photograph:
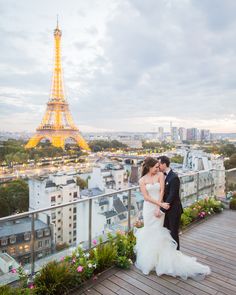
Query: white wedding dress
(156, 250)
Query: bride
(155, 248)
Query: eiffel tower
(57, 124)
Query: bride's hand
(158, 212)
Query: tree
(228, 150)
(81, 183)
(231, 163)
(177, 159)
(14, 197)
(99, 145)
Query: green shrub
(125, 244)
(7, 290)
(200, 209)
(185, 220)
(105, 254)
(123, 262)
(232, 204)
(55, 278)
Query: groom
(171, 196)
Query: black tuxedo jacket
(171, 194)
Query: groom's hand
(165, 206)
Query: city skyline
(128, 65)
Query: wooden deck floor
(213, 242)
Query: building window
(53, 199)
(70, 225)
(40, 255)
(20, 249)
(12, 239)
(74, 239)
(74, 225)
(27, 236)
(59, 228)
(75, 195)
(74, 210)
(39, 234)
(59, 196)
(74, 233)
(12, 250)
(47, 232)
(40, 244)
(47, 242)
(4, 241)
(53, 215)
(27, 248)
(4, 251)
(59, 220)
(74, 217)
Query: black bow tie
(165, 173)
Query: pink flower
(120, 232)
(95, 242)
(73, 260)
(95, 278)
(31, 286)
(80, 268)
(13, 270)
(62, 258)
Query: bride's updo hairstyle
(148, 163)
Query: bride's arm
(161, 179)
(146, 196)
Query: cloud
(128, 65)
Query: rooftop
(19, 226)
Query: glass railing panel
(188, 189)
(230, 176)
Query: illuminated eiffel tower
(57, 124)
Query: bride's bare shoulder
(142, 180)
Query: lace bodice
(153, 190)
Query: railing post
(197, 185)
(226, 183)
(32, 244)
(212, 183)
(90, 224)
(129, 208)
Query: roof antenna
(57, 22)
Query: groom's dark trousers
(173, 214)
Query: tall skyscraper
(182, 133)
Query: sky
(129, 65)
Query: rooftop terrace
(212, 242)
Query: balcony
(212, 242)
